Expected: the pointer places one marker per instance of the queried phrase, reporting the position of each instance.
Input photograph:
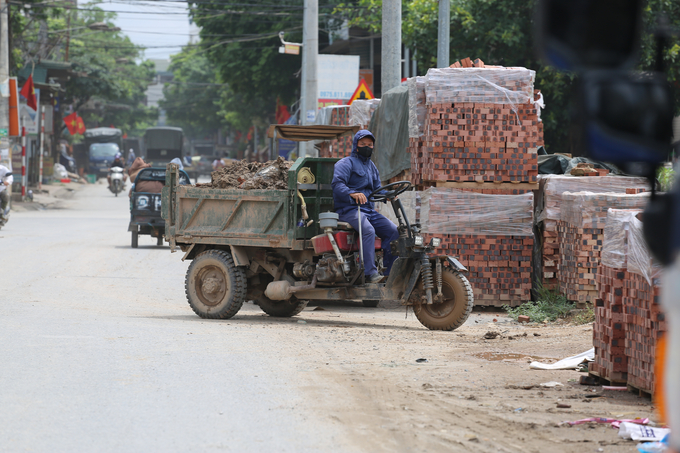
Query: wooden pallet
(605, 381)
(509, 185)
(642, 393)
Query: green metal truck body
(252, 218)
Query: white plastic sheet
(569, 363)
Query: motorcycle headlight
(418, 240)
(436, 242)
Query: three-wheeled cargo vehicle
(145, 206)
(283, 248)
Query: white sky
(163, 32)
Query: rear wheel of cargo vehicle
(215, 287)
(135, 239)
(457, 305)
(159, 239)
(370, 303)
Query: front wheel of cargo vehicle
(370, 303)
(135, 239)
(454, 310)
(215, 286)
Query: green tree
(192, 100)
(107, 68)
(241, 42)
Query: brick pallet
(629, 320)
(580, 234)
(549, 201)
(341, 147)
(496, 251)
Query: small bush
(550, 305)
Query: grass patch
(550, 306)
(585, 316)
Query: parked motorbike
(117, 183)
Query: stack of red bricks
(490, 234)
(549, 203)
(580, 236)
(481, 126)
(474, 130)
(341, 147)
(629, 320)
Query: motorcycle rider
(117, 162)
(354, 178)
(6, 180)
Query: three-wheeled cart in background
(283, 248)
(145, 207)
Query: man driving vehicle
(354, 178)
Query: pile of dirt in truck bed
(251, 175)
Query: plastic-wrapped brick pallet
(580, 236)
(629, 320)
(549, 202)
(490, 234)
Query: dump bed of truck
(256, 218)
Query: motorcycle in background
(117, 180)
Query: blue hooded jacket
(354, 173)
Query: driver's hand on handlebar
(359, 197)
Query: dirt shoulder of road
(50, 196)
(471, 393)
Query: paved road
(99, 350)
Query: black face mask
(365, 151)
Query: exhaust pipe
(281, 290)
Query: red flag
(282, 114)
(28, 91)
(80, 125)
(71, 122)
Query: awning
(309, 133)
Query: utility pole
(444, 34)
(309, 99)
(4, 68)
(391, 45)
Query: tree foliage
(192, 100)
(108, 71)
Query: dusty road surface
(100, 352)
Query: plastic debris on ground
(642, 433)
(610, 421)
(654, 447)
(570, 363)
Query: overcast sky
(163, 27)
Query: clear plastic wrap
(639, 259)
(589, 210)
(556, 185)
(324, 115)
(451, 211)
(614, 246)
(480, 85)
(417, 110)
(411, 202)
(361, 111)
